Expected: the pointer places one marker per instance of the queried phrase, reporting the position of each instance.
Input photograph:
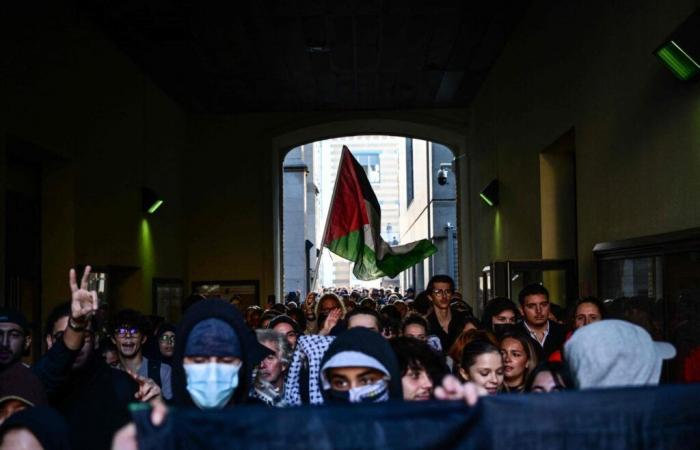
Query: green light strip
(486, 199)
(155, 206)
(678, 61)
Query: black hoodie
(370, 343)
(253, 352)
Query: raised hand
(331, 321)
(453, 389)
(148, 389)
(83, 302)
(309, 304)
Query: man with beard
(14, 337)
(268, 386)
(91, 396)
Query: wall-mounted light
(680, 52)
(150, 202)
(490, 193)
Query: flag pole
(328, 215)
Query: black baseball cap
(11, 315)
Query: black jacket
(253, 352)
(454, 329)
(93, 399)
(555, 339)
(371, 343)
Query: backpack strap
(154, 371)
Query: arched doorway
(454, 141)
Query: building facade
(428, 209)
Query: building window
(370, 162)
(409, 171)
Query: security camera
(442, 176)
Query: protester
(615, 353)
(267, 317)
(535, 306)
(454, 355)
(500, 313)
(420, 368)
(15, 339)
(330, 311)
(443, 323)
(400, 305)
(587, 311)
(519, 358)
(302, 386)
(360, 367)
(92, 397)
(166, 342)
(415, 326)
(364, 317)
(391, 321)
(214, 357)
(268, 385)
(252, 316)
(109, 353)
(40, 428)
(287, 327)
(482, 364)
(19, 389)
(128, 335)
(549, 377)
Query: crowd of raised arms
(335, 346)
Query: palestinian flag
(353, 224)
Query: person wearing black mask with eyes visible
(500, 315)
(360, 367)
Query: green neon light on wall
(486, 199)
(683, 66)
(155, 206)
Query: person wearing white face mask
(214, 359)
(212, 365)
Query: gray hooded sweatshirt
(615, 353)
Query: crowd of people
(337, 346)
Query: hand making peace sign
(83, 302)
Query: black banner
(636, 418)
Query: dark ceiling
(306, 55)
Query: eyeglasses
(442, 292)
(167, 339)
(123, 331)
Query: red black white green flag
(353, 227)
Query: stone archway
(286, 140)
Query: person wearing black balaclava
(360, 367)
